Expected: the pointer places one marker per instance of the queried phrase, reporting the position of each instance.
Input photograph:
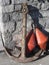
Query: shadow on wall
(35, 15)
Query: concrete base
(5, 60)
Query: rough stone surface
(45, 6)
(8, 8)
(5, 60)
(18, 1)
(1, 45)
(17, 7)
(17, 16)
(0, 2)
(44, 13)
(10, 26)
(5, 17)
(6, 2)
(11, 19)
(8, 40)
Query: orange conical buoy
(30, 40)
(41, 39)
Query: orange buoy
(41, 39)
(30, 40)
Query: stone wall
(11, 20)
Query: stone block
(9, 8)
(5, 17)
(6, 2)
(17, 16)
(17, 7)
(10, 26)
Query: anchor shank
(24, 23)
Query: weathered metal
(24, 24)
(30, 40)
(22, 56)
(41, 39)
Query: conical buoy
(30, 40)
(41, 39)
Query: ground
(5, 60)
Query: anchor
(28, 43)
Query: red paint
(30, 40)
(41, 39)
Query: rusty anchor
(22, 56)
